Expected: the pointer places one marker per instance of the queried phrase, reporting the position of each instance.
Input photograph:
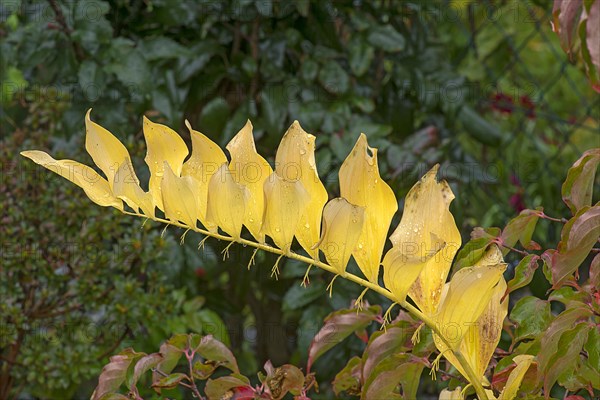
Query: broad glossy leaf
(531, 316)
(521, 229)
(216, 389)
(516, 377)
(397, 369)
(226, 202)
(142, 366)
(205, 160)
(250, 170)
(286, 201)
(163, 145)
(178, 197)
(396, 338)
(127, 188)
(342, 226)
(211, 349)
(361, 185)
(106, 150)
(94, 186)
(337, 326)
(295, 161)
(426, 222)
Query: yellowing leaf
(126, 187)
(401, 270)
(342, 225)
(361, 184)
(179, 199)
(226, 202)
(250, 170)
(163, 144)
(515, 378)
(466, 297)
(94, 186)
(482, 337)
(205, 160)
(106, 150)
(295, 161)
(286, 201)
(426, 219)
(455, 394)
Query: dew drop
(360, 246)
(307, 225)
(302, 151)
(277, 230)
(479, 275)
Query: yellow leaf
(250, 170)
(400, 270)
(106, 150)
(94, 186)
(285, 202)
(205, 160)
(515, 378)
(163, 144)
(226, 202)
(295, 161)
(455, 394)
(482, 337)
(464, 300)
(361, 184)
(179, 198)
(127, 188)
(426, 219)
(342, 225)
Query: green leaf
(566, 356)
(91, 79)
(169, 381)
(471, 253)
(309, 70)
(479, 128)
(524, 272)
(532, 316)
(578, 237)
(521, 229)
(299, 296)
(382, 344)
(349, 378)
(592, 347)
(213, 117)
(361, 56)
(386, 38)
(578, 187)
(161, 47)
(334, 78)
(403, 369)
(143, 365)
(274, 107)
(133, 72)
(337, 326)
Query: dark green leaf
(170, 381)
(386, 38)
(214, 116)
(333, 78)
(361, 56)
(532, 316)
(524, 272)
(521, 229)
(478, 127)
(299, 296)
(349, 379)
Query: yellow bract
(342, 225)
(426, 223)
(295, 161)
(163, 144)
(361, 184)
(226, 202)
(286, 201)
(251, 170)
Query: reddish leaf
(284, 379)
(338, 326)
(398, 369)
(395, 339)
(595, 272)
(141, 366)
(520, 229)
(578, 237)
(169, 381)
(211, 349)
(114, 373)
(566, 15)
(216, 389)
(593, 33)
(171, 351)
(578, 187)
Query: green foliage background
(482, 88)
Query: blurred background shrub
(481, 87)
